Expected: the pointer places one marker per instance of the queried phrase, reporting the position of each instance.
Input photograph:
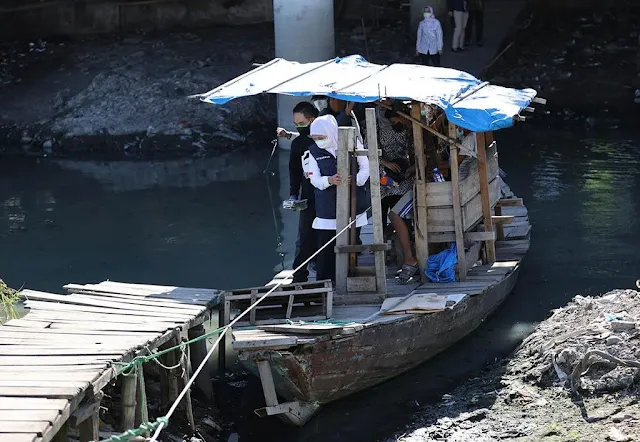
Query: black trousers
(476, 18)
(428, 59)
(326, 259)
(306, 244)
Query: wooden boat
(311, 345)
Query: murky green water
(86, 224)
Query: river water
(179, 223)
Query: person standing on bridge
(476, 18)
(429, 40)
(458, 10)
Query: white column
(304, 32)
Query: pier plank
(48, 392)
(31, 403)
(38, 427)
(29, 416)
(18, 437)
(131, 301)
(63, 347)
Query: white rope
(186, 388)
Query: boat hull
(322, 372)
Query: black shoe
(455, 50)
(479, 43)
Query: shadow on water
(196, 223)
(582, 200)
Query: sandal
(407, 272)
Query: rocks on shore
(574, 378)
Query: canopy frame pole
(451, 141)
(457, 209)
(489, 245)
(376, 205)
(420, 195)
(346, 144)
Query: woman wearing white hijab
(323, 173)
(429, 40)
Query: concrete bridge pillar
(304, 32)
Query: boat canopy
(467, 101)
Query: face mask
(459, 133)
(397, 127)
(427, 15)
(305, 131)
(320, 105)
(323, 144)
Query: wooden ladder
(349, 277)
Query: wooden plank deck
(63, 350)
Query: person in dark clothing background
(300, 187)
(476, 18)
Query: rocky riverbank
(126, 95)
(585, 62)
(575, 378)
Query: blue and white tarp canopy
(467, 101)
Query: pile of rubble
(574, 378)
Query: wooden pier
(55, 361)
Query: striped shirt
(429, 39)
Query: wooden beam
(511, 202)
(128, 395)
(361, 248)
(420, 195)
(346, 141)
(499, 219)
(428, 128)
(469, 236)
(457, 209)
(376, 206)
(490, 246)
(197, 353)
(268, 387)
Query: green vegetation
(8, 300)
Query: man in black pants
(303, 114)
(476, 18)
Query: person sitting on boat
(323, 173)
(429, 40)
(394, 139)
(300, 187)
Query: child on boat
(429, 40)
(323, 173)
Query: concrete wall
(32, 18)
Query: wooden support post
(89, 429)
(62, 435)
(128, 395)
(224, 318)
(198, 351)
(169, 378)
(186, 404)
(268, 387)
(142, 410)
(489, 246)
(499, 226)
(420, 195)
(346, 143)
(457, 209)
(376, 206)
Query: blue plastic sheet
(442, 267)
(467, 101)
